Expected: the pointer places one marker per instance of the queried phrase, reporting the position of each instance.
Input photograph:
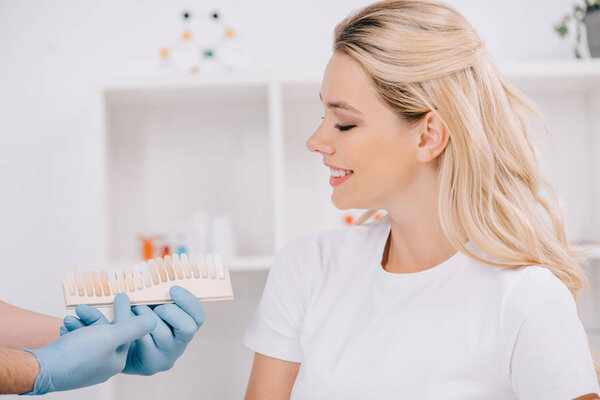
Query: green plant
(577, 15)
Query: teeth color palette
(149, 282)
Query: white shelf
(255, 263)
(568, 69)
(554, 75)
(557, 68)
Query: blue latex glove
(176, 325)
(88, 356)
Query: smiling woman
(466, 288)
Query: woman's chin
(340, 202)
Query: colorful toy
(190, 52)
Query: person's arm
(17, 324)
(18, 371)
(271, 378)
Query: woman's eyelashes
(342, 127)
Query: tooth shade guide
(104, 282)
(121, 281)
(112, 280)
(79, 282)
(71, 285)
(153, 271)
(137, 277)
(162, 272)
(96, 283)
(219, 266)
(129, 279)
(169, 268)
(185, 264)
(146, 275)
(177, 266)
(194, 266)
(89, 289)
(202, 274)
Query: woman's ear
(433, 137)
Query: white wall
(53, 56)
(54, 53)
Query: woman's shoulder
(522, 288)
(320, 246)
(534, 286)
(517, 279)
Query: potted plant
(588, 15)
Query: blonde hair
(424, 56)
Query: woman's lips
(333, 181)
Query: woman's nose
(319, 142)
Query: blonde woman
(466, 288)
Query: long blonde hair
(424, 56)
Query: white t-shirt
(461, 330)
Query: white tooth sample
(146, 274)
(104, 282)
(71, 282)
(153, 271)
(168, 263)
(137, 276)
(79, 282)
(129, 279)
(185, 264)
(177, 266)
(194, 264)
(219, 266)
(202, 266)
(121, 280)
(96, 283)
(89, 289)
(112, 280)
(210, 263)
(160, 266)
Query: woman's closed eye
(344, 128)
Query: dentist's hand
(88, 356)
(175, 327)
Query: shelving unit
(223, 143)
(235, 144)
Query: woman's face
(370, 140)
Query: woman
(466, 288)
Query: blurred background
(131, 129)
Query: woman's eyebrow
(340, 104)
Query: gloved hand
(175, 327)
(88, 356)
